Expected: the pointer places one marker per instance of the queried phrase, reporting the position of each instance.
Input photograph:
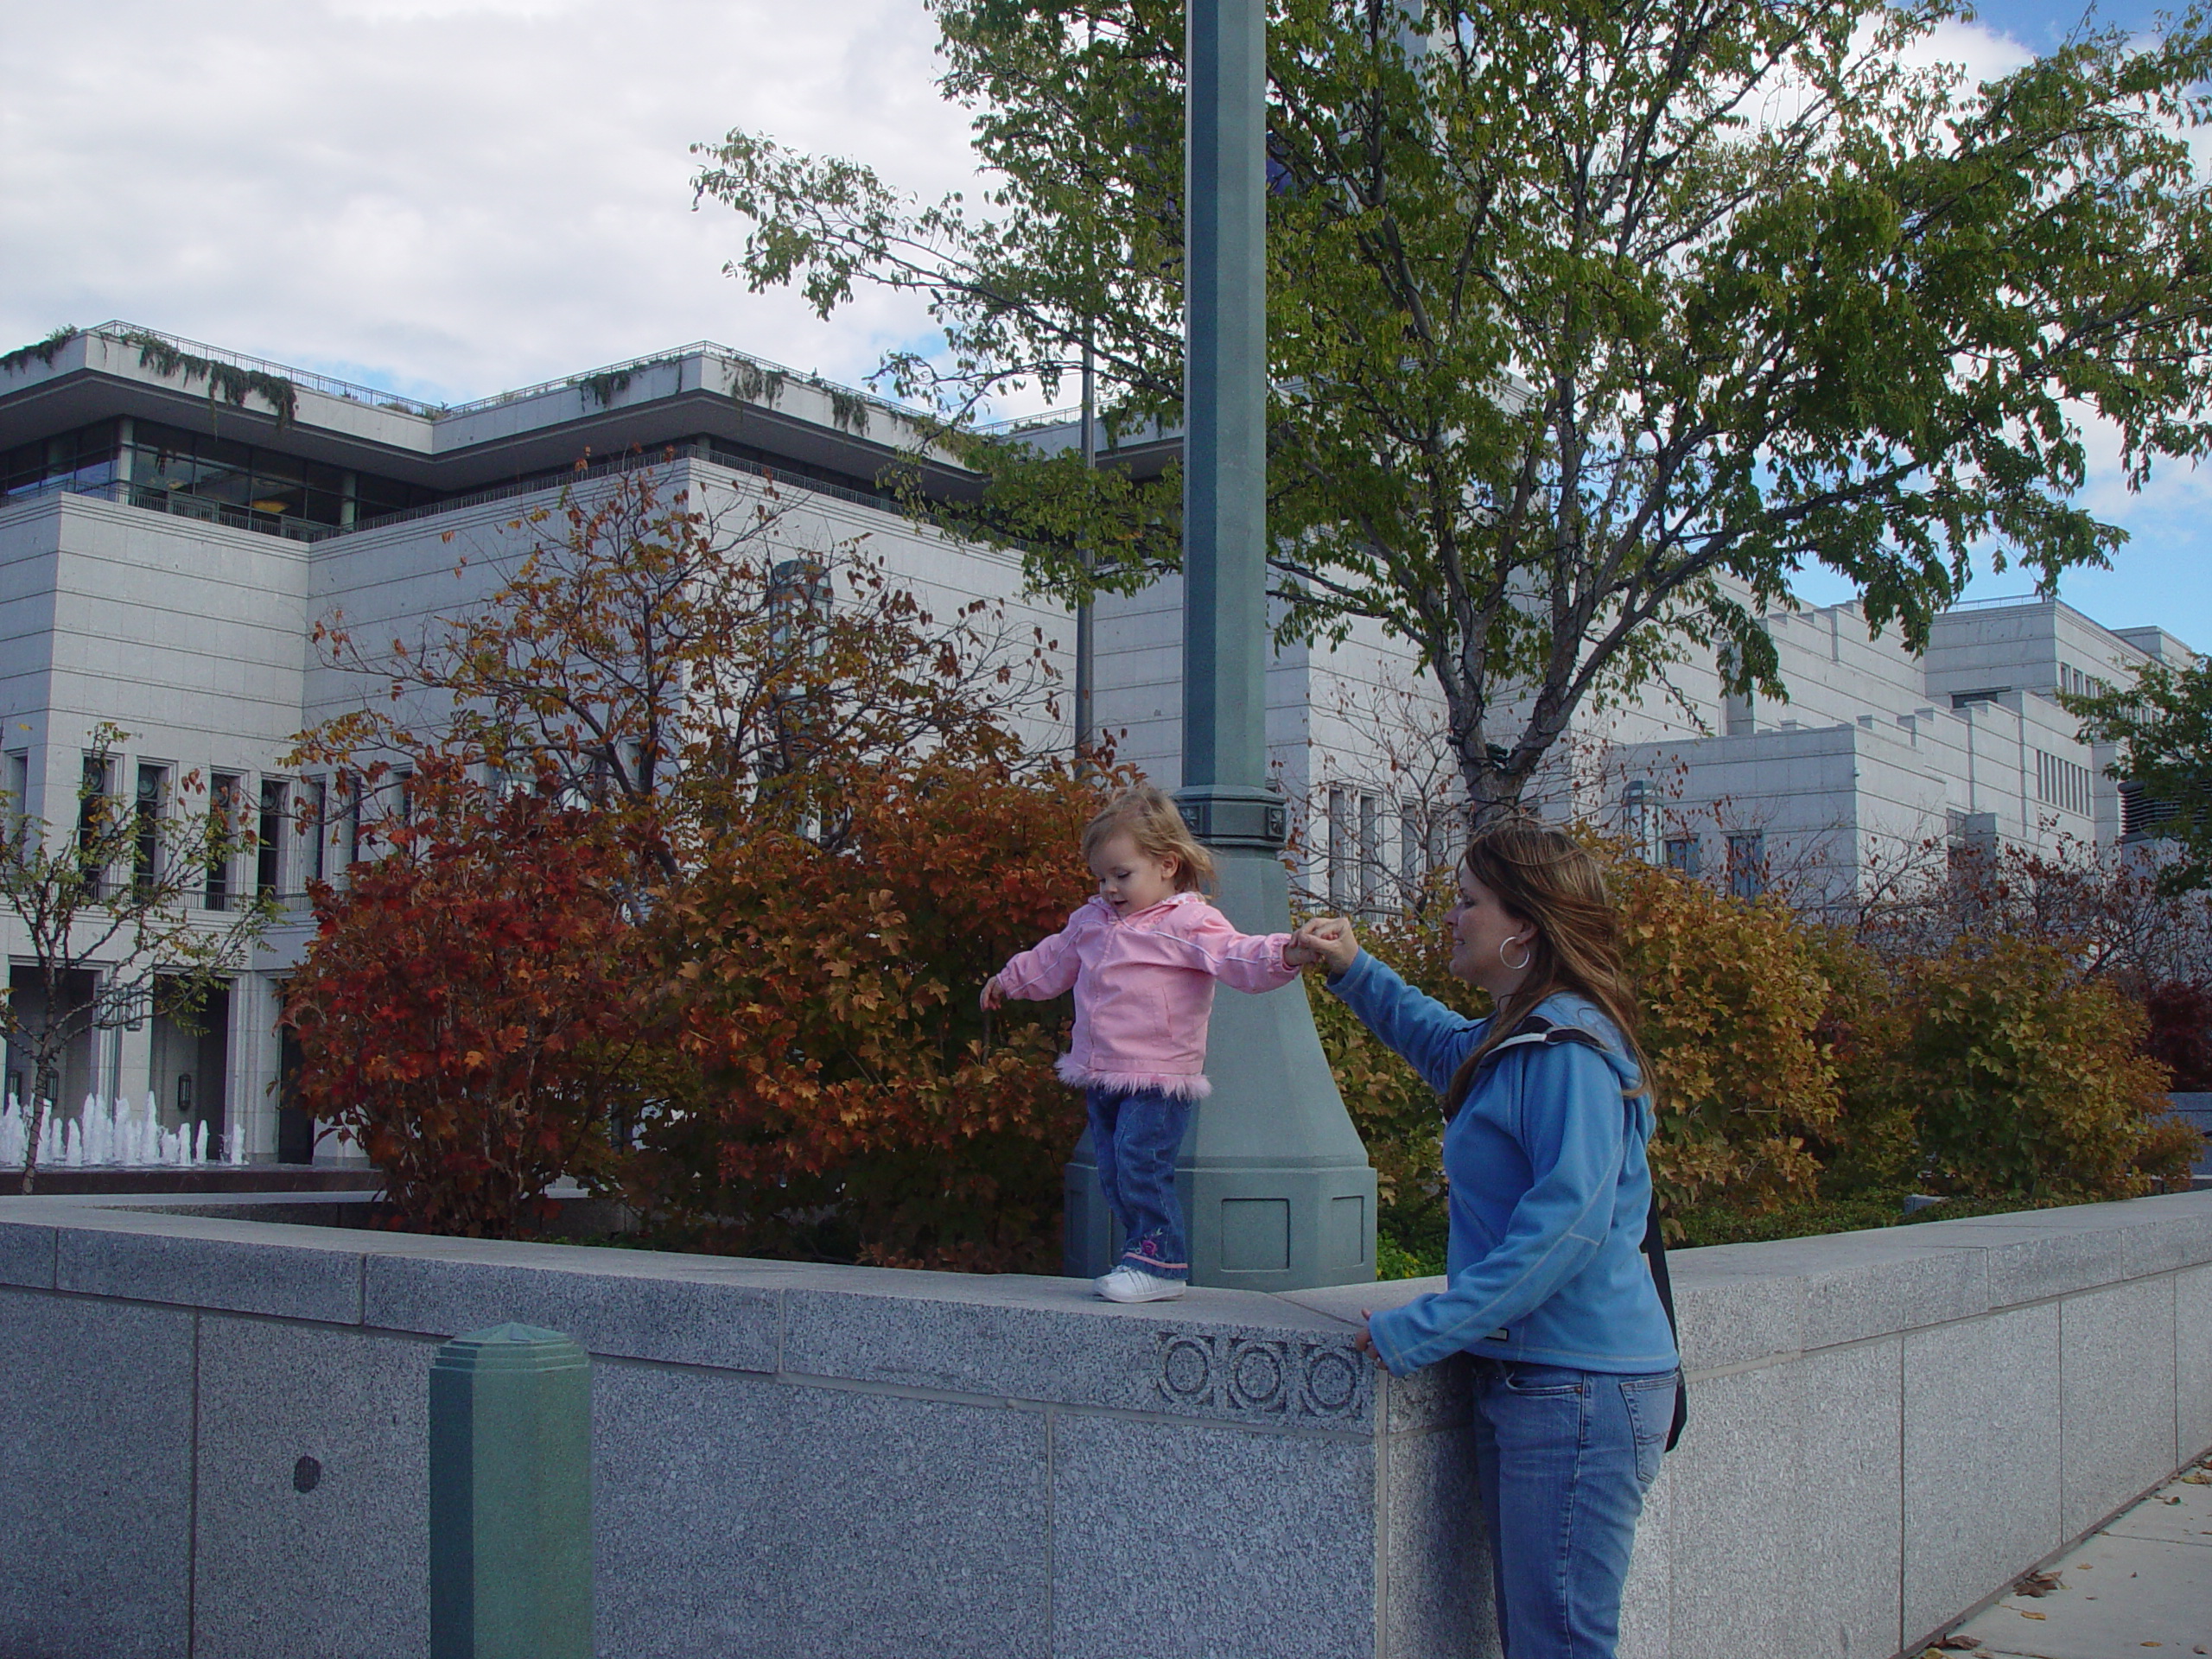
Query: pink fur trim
(1183, 1085)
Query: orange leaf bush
(845, 1097)
(812, 831)
(1796, 1067)
(1733, 995)
(2024, 1080)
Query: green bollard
(510, 1496)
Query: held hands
(992, 996)
(1328, 940)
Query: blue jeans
(1563, 1458)
(1135, 1135)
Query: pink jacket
(1144, 988)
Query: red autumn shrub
(467, 1012)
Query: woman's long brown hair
(1541, 875)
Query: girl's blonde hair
(1149, 819)
(1543, 876)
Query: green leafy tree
(1591, 325)
(102, 905)
(2163, 725)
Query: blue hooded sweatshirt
(1549, 1192)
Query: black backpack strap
(1655, 1254)
(1535, 1031)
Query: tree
(707, 841)
(1591, 325)
(2163, 725)
(672, 666)
(101, 903)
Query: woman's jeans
(1135, 1134)
(1563, 1458)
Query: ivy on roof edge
(750, 383)
(225, 380)
(42, 350)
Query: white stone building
(165, 553)
(169, 538)
(1875, 750)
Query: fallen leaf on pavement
(2038, 1584)
(2035, 1615)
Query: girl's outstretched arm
(1244, 961)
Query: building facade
(178, 520)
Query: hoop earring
(1527, 956)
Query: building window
(1358, 859)
(268, 839)
(1684, 855)
(1341, 806)
(1640, 820)
(315, 805)
(153, 796)
(1747, 864)
(84, 459)
(1370, 850)
(222, 824)
(167, 469)
(349, 791)
(92, 808)
(18, 802)
(2062, 783)
(2142, 815)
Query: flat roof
(80, 376)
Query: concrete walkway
(2143, 1584)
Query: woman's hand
(992, 995)
(1364, 1341)
(1328, 940)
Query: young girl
(1575, 1367)
(1143, 958)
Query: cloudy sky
(449, 198)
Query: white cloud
(454, 196)
(1985, 53)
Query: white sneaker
(1127, 1284)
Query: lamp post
(1273, 1177)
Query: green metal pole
(510, 1558)
(1274, 1178)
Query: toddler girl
(1143, 958)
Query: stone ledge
(1739, 1304)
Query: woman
(1575, 1367)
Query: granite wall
(212, 1443)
